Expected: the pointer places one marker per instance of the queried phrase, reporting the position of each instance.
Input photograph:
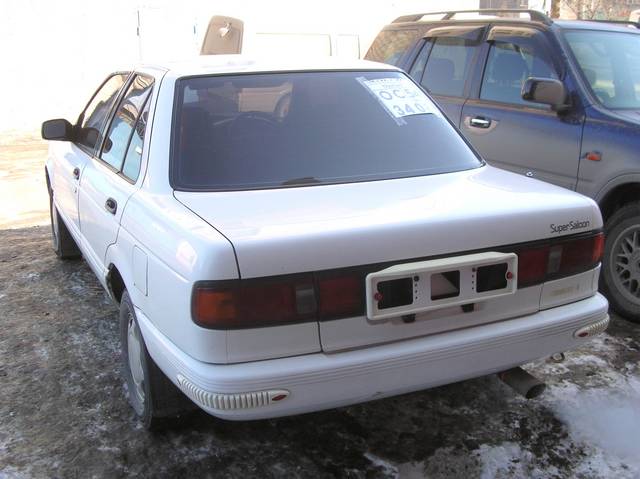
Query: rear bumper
(321, 381)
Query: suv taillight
(558, 258)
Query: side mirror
(106, 147)
(545, 90)
(88, 136)
(58, 129)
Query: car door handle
(480, 122)
(76, 173)
(111, 206)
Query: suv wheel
(152, 395)
(620, 280)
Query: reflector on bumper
(247, 400)
(592, 330)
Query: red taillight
(326, 295)
(278, 300)
(598, 247)
(340, 296)
(532, 266)
(253, 303)
(560, 258)
(578, 254)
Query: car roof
(486, 16)
(603, 26)
(231, 64)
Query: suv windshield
(290, 129)
(610, 62)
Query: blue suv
(554, 100)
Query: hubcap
(625, 263)
(134, 347)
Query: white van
(232, 35)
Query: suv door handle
(480, 122)
(111, 206)
(76, 173)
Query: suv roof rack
(534, 15)
(628, 23)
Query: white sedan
(285, 238)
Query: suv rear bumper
(322, 381)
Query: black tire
(63, 243)
(620, 278)
(155, 399)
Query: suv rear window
(290, 129)
(390, 45)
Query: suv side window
(124, 121)
(92, 120)
(510, 62)
(448, 65)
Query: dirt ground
(23, 194)
(63, 409)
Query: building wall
(55, 53)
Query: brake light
(598, 248)
(580, 253)
(532, 266)
(559, 258)
(247, 303)
(340, 296)
(327, 295)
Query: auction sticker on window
(400, 96)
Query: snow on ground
(605, 418)
(602, 411)
(62, 348)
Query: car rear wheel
(63, 243)
(154, 398)
(620, 280)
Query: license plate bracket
(412, 288)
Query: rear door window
(92, 120)
(510, 62)
(449, 65)
(124, 122)
(131, 167)
(391, 45)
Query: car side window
(448, 66)
(92, 120)
(510, 62)
(131, 167)
(124, 121)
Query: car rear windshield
(291, 129)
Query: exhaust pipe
(522, 382)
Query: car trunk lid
(393, 222)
